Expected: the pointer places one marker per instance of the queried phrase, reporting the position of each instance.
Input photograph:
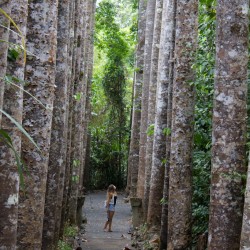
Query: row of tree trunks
(152, 101)
(133, 160)
(150, 16)
(77, 112)
(169, 161)
(161, 130)
(57, 74)
(166, 78)
(57, 155)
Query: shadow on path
(96, 215)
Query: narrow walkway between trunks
(96, 215)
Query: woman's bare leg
(111, 214)
(107, 222)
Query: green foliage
(150, 130)
(69, 233)
(111, 94)
(204, 83)
(78, 96)
(167, 131)
(63, 245)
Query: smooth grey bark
(57, 155)
(152, 102)
(13, 105)
(133, 160)
(180, 172)
(229, 125)
(161, 130)
(40, 78)
(4, 35)
(150, 16)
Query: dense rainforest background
(150, 95)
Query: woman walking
(110, 206)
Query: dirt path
(95, 213)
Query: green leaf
(13, 54)
(78, 96)
(150, 130)
(167, 131)
(19, 126)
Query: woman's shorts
(111, 208)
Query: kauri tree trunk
(150, 15)
(161, 129)
(13, 105)
(152, 102)
(57, 156)
(64, 210)
(133, 160)
(40, 82)
(180, 174)
(167, 62)
(229, 125)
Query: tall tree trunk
(133, 160)
(13, 105)
(40, 78)
(161, 130)
(64, 215)
(229, 125)
(87, 136)
(180, 174)
(167, 64)
(77, 116)
(57, 157)
(4, 34)
(87, 77)
(152, 102)
(150, 15)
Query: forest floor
(95, 213)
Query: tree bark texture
(180, 174)
(161, 126)
(13, 105)
(133, 160)
(168, 41)
(152, 101)
(40, 78)
(150, 15)
(62, 173)
(229, 125)
(4, 35)
(71, 63)
(57, 155)
(87, 65)
(77, 115)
